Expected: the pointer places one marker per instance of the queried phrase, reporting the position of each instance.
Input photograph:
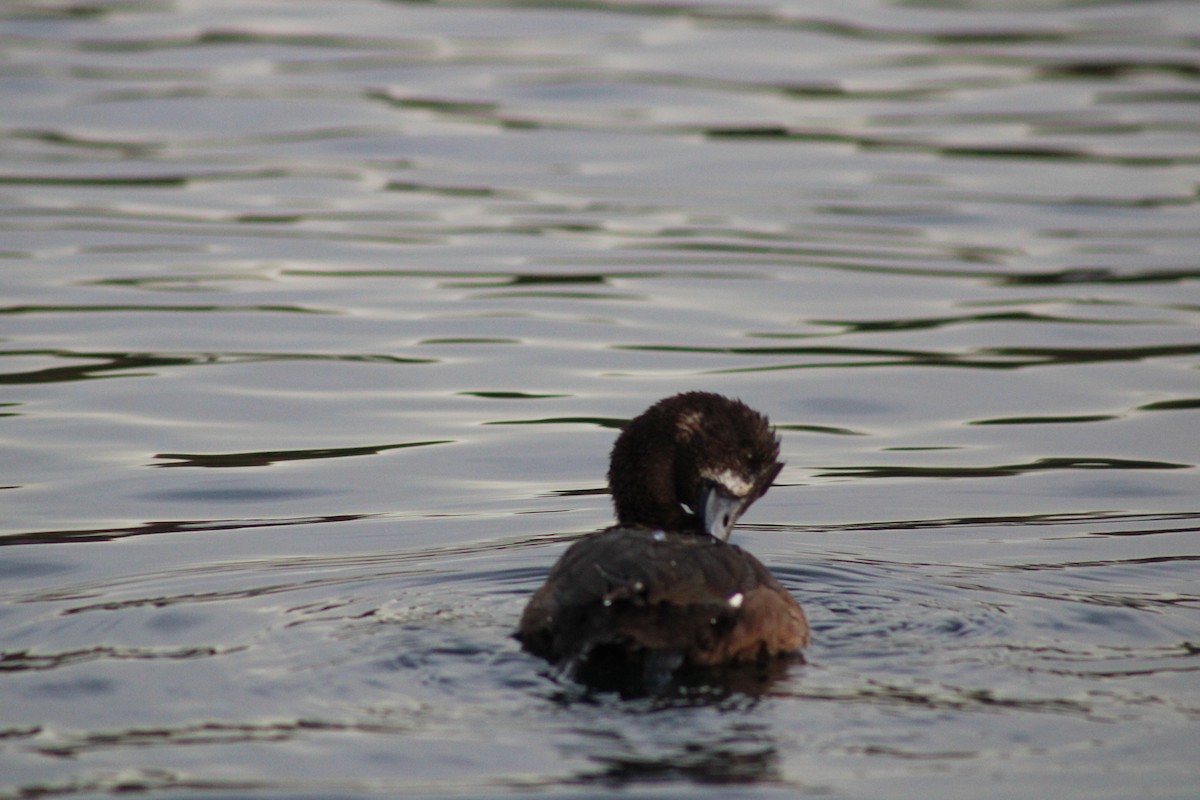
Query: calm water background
(318, 320)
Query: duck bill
(719, 511)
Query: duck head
(692, 463)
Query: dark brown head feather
(664, 455)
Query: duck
(662, 593)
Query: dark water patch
(268, 457)
(580, 492)
(138, 364)
(75, 140)
(1046, 420)
(19, 733)
(103, 182)
(168, 282)
(1093, 301)
(1152, 531)
(1099, 275)
(270, 219)
(512, 395)
(1182, 404)
(167, 181)
(1042, 356)
(448, 191)
(170, 309)
(468, 279)
(835, 431)
(80, 10)
(814, 90)
(1111, 203)
(548, 295)
(1046, 153)
(1110, 69)
(445, 105)
(83, 536)
(127, 364)
(546, 279)
(1179, 94)
(934, 323)
(1000, 470)
(898, 144)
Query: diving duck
(662, 591)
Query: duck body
(636, 603)
(662, 591)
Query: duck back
(636, 601)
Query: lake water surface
(317, 321)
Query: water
(318, 321)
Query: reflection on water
(378, 282)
